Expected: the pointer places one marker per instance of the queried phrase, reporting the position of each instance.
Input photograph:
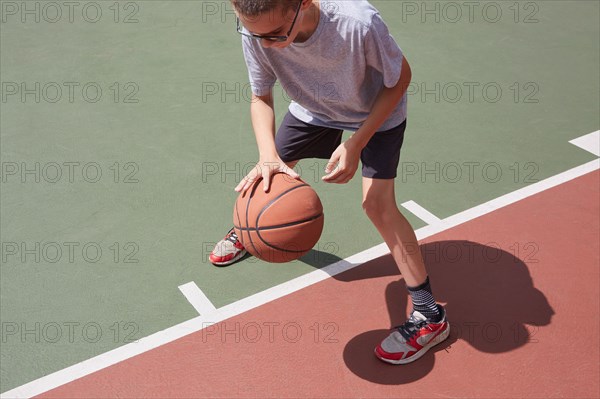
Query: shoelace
(232, 237)
(411, 327)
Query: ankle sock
(423, 301)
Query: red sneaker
(227, 251)
(413, 339)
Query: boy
(342, 69)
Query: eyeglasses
(243, 31)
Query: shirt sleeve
(382, 52)
(262, 78)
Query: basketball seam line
(289, 250)
(270, 203)
(247, 211)
(280, 225)
(267, 206)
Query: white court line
(199, 301)
(196, 324)
(421, 212)
(589, 142)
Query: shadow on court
(318, 258)
(490, 298)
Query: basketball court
(125, 127)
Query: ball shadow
(321, 256)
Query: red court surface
(521, 286)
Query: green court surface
(122, 140)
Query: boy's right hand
(265, 169)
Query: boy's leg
(379, 203)
(427, 325)
(380, 160)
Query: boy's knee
(374, 207)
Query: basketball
(279, 225)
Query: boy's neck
(310, 22)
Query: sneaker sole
(440, 338)
(232, 260)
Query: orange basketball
(279, 225)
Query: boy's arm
(386, 102)
(262, 113)
(347, 155)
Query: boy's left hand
(343, 164)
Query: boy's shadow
(492, 305)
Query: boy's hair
(254, 8)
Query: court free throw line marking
(196, 324)
(589, 142)
(196, 297)
(421, 212)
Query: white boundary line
(199, 301)
(171, 334)
(421, 212)
(589, 142)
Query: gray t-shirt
(335, 76)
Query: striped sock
(423, 301)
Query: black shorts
(297, 140)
